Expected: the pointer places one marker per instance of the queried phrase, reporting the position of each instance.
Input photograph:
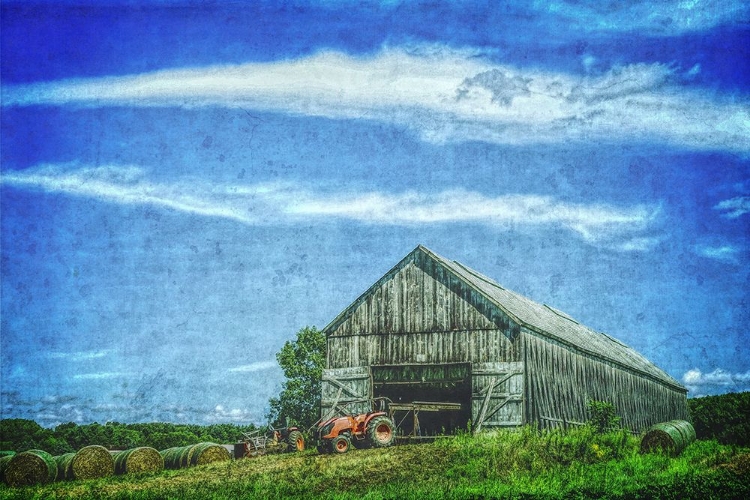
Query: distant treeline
(725, 418)
(21, 435)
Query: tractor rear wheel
(296, 441)
(340, 444)
(380, 432)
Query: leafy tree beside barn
(302, 360)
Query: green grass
(521, 464)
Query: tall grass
(525, 463)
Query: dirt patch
(739, 464)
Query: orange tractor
(372, 429)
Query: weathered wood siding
(560, 381)
(477, 346)
(421, 296)
(422, 314)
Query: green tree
(54, 446)
(302, 361)
(18, 434)
(163, 440)
(725, 418)
(124, 439)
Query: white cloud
(443, 95)
(724, 253)
(622, 228)
(503, 87)
(622, 82)
(734, 207)
(695, 70)
(254, 367)
(595, 223)
(639, 244)
(717, 381)
(79, 356)
(124, 185)
(220, 414)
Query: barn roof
(540, 318)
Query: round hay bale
(31, 467)
(185, 454)
(686, 429)
(171, 457)
(4, 461)
(92, 462)
(136, 460)
(206, 453)
(673, 437)
(64, 466)
(165, 456)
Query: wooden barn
(438, 333)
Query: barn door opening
(440, 394)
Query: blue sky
(185, 185)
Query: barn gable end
(434, 330)
(419, 295)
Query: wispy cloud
(639, 243)
(255, 367)
(128, 186)
(79, 356)
(595, 223)
(734, 207)
(624, 228)
(667, 17)
(443, 95)
(717, 381)
(724, 253)
(101, 375)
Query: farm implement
(263, 441)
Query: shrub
(602, 416)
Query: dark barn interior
(437, 384)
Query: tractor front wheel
(340, 444)
(296, 441)
(380, 432)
